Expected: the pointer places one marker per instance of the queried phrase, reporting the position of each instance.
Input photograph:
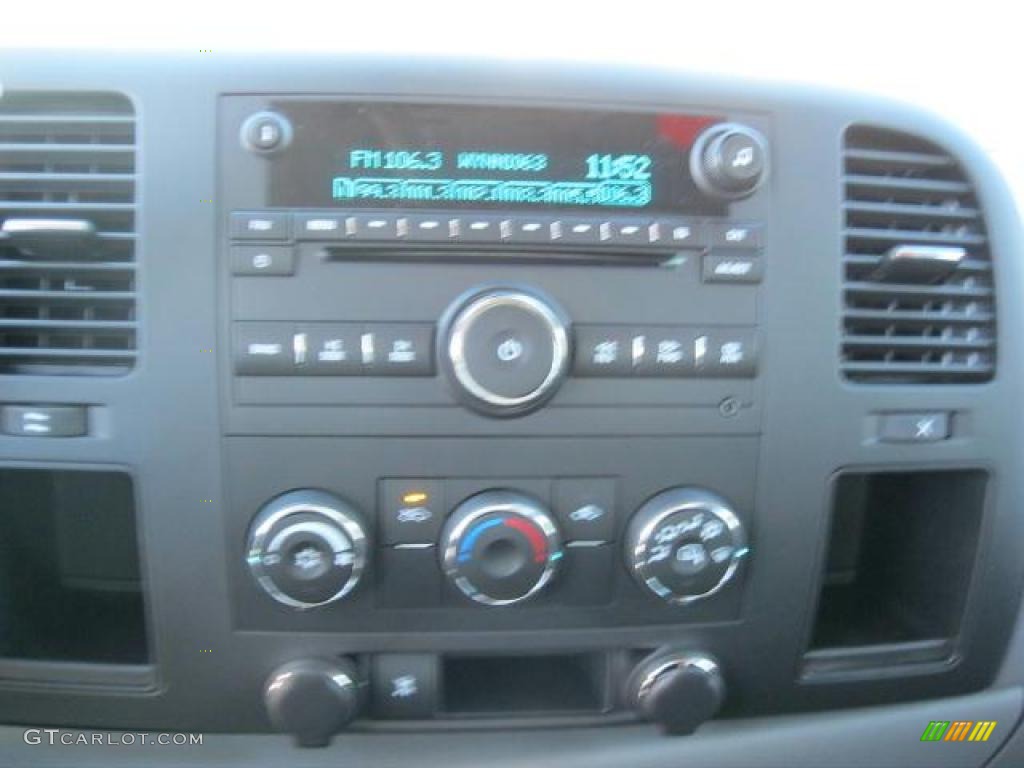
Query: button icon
(587, 514)
(743, 158)
(606, 352)
(404, 686)
(262, 260)
(402, 351)
(260, 349)
(721, 554)
(670, 351)
(414, 515)
(731, 353)
(509, 350)
(332, 351)
(711, 529)
(308, 559)
(690, 559)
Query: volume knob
(729, 161)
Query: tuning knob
(307, 548)
(312, 699)
(729, 161)
(677, 690)
(685, 544)
(505, 351)
(500, 548)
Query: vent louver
(919, 303)
(67, 233)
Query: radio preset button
(576, 231)
(428, 227)
(666, 352)
(398, 349)
(252, 260)
(480, 229)
(259, 225)
(726, 353)
(603, 351)
(330, 349)
(529, 229)
(732, 268)
(625, 232)
(264, 349)
(373, 226)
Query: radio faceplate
(337, 320)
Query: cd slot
(573, 258)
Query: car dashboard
(397, 409)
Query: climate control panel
(498, 547)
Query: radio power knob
(685, 544)
(307, 548)
(729, 161)
(678, 690)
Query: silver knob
(307, 548)
(506, 351)
(685, 544)
(500, 548)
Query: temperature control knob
(307, 548)
(500, 547)
(676, 689)
(505, 351)
(729, 161)
(685, 544)
(312, 699)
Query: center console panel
(617, 397)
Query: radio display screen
(410, 156)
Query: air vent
(67, 234)
(919, 302)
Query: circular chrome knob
(729, 161)
(307, 548)
(676, 689)
(312, 699)
(500, 548)
(505, 351)
(685, 544)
